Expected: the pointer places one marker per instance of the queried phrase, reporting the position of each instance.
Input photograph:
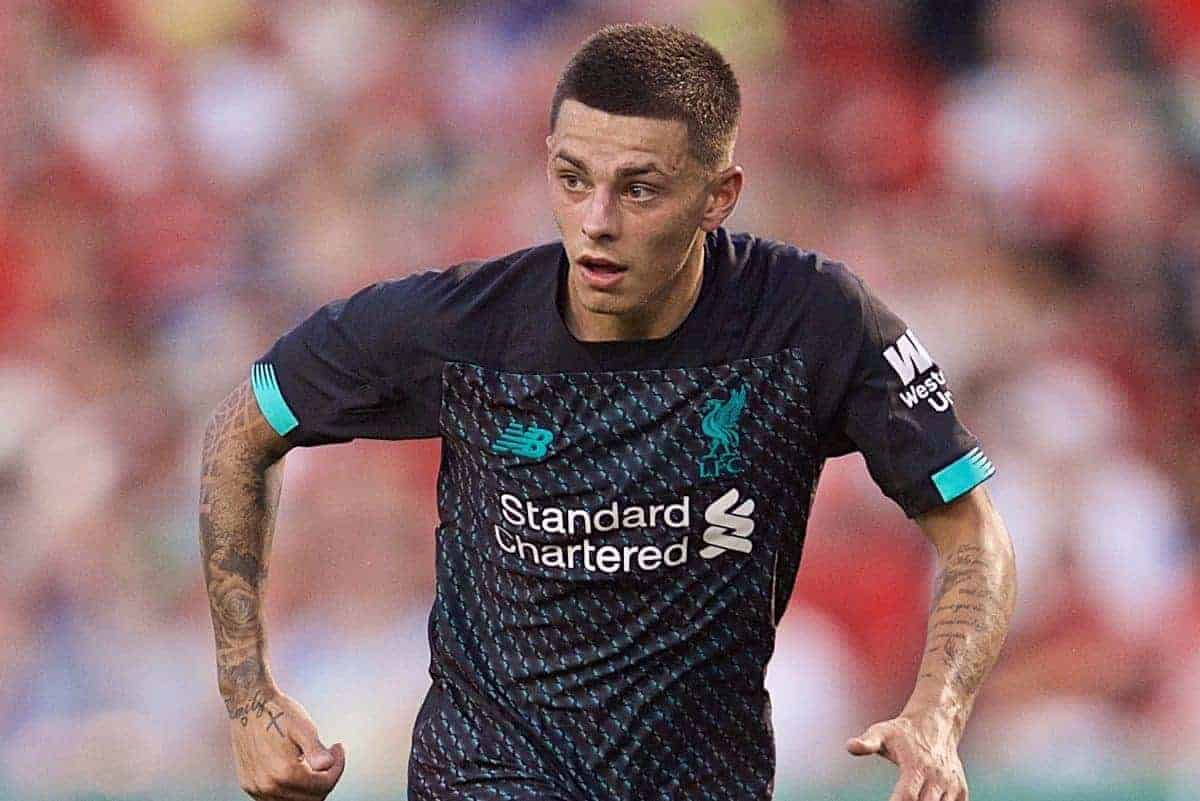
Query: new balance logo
(529, 442)
(908, 357)
(730, 525)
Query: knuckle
(908, 788)
(295, 780)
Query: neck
(654, 318)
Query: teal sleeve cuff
(270, 399)
(963, 475)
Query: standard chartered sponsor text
(525, 515)
(557, 520)
(591, 557)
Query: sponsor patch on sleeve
(910, 361)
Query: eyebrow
(624, 172)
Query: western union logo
(529, 442)
(908, 357)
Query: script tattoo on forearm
(239, 495)
(969, 621)
(257, 706)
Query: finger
(908, 786)
(317, 782)
(339, 761)
(312, 750)
(304, 783)
(291, 794)
(277, 791)
(321, 782)
(869, 742)
(934, 790)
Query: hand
(926, 753)
(278, 754)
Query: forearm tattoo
(258, 705)
(239, 496)
(969, 621)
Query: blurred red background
(184, 181)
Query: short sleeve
(355, 368)
(877, 390)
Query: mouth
(601, 273)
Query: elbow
(237, 431)
(997, 543)
(972, 525)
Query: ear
(723, 193)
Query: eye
(641, 191)
(571, 182)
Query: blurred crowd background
(184, 180)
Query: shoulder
(455, 293)
(782, 266)
(471, 284)
(788, 285)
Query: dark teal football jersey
(620, 522)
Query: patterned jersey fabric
(620, 523)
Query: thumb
(869, 742)
(339, 754)
(315, 754)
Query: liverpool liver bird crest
(720, 426)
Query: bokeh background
(183, 180)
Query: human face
(632, 205)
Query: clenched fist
(278, 754)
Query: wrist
(264, 687)
(239, 680)
(939, 720)
(252, 704)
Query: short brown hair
(660, 72)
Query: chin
(598, 303)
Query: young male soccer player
(633, 421)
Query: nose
(602, 219)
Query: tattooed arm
(275, 742)
(972, 605)
(242, 464)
